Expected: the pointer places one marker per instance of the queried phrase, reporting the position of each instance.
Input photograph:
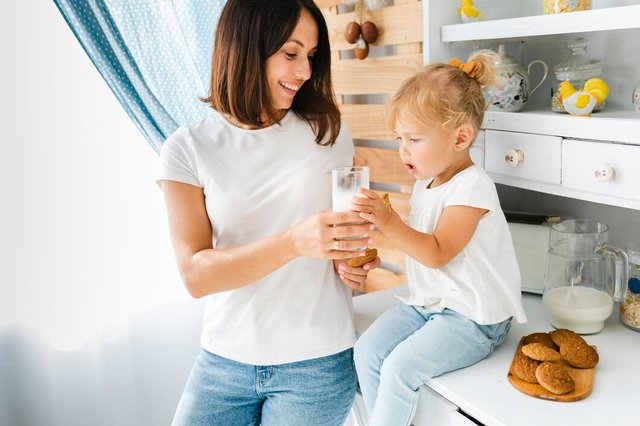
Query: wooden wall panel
(373, 75)
(396, 55)
(385, 165)
(366, 121)
(397, 25)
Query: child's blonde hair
(446, 93)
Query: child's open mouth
(410, 167)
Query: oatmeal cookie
(543, 338)
(562, 335)
(358, 261)
(385, 198)
(555, 378)
(540, 352)
(579, 354)
(525, 367)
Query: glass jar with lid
(562, 6)
(576, 69)
(630, 304)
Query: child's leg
(448, 341)
(371, 349)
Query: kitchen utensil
(513, 86)
(583, 275)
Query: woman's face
(290, 67)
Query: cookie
(540, 352)
(525, 367)
(543, 338)
(385, 198)
(579, 354)
(562, 335)
(358, 261)
(555, 378)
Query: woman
(247, 191)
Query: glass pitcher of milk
(583, 276)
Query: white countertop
(484, 392)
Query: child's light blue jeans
(408, 345)
(223, 392)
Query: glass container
(562, 6)
(630, 304)
(576, 69)
(635, 97)
(583, 276)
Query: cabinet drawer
(587, 166)
(540, 159)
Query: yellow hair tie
(469, 68)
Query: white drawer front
(583, 164)
(540, 155)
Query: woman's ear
(464, 137)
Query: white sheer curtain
(95, 325)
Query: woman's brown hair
(248, 33)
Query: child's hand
(355, 277)
(372, 208)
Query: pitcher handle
(621, 268)
(544, 77)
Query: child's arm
(453, 232)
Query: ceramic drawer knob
(513, 157)
(604, 173)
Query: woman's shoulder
(191, 134)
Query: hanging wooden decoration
(361, 31)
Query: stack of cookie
(542, 359)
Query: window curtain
(155, 56)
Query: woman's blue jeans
(223, 392)
(408, 345)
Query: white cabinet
(602, 168)
(523, 156)
(561, 152)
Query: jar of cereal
(561, 6)
(630, 305)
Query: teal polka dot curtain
(153, 54)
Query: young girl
(248, 193)
(462, 273)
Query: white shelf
(609, 125)
(614, 18)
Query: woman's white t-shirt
(483, 281)
(257, 183)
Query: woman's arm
(206, 270)
(454, 230)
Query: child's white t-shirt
(483, 281)
(257, 183)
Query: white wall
(83, 243)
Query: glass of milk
(345, 184)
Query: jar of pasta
(562, 6)
(630, 304)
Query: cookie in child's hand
(385, 199)
(358, 261)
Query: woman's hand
(322, 235)
(355, 277)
